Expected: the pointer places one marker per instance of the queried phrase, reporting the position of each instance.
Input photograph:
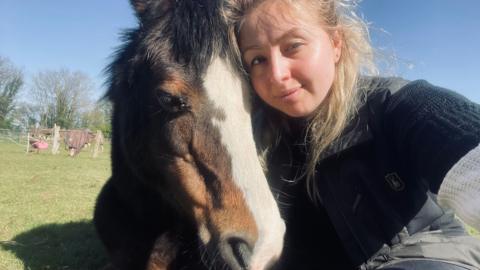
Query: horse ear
(140, 6)
(172, 103)
(145, 8)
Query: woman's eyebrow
(285, 35)
(250, 47)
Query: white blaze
(229, 92)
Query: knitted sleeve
(431, 129)
(460, 190)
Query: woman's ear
(337, 42)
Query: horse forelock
(187, 36)
(199, 32)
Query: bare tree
(62, 97)
(24, 116)
(99, 117)
(11, 81)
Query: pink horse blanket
(40, 145)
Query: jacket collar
(377, 90)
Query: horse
(187, 190)
(76, 140)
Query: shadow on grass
(59, 246)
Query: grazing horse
(76, 140)
(187, 190)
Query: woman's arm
(460, 189)
(437, 134)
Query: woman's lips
(289, 94)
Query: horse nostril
(241, 251)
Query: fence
(54, 137)
(12, 136)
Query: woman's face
(291, 59)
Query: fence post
(28, 142)
(98, 143)
(56, 139)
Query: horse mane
(192, 32)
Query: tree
(11, 81)
(62, 97)
(99, 117)
(24, 116)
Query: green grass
(46, 209)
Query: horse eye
(172, 103)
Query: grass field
(46, 208)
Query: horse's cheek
(191, 185)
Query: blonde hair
(341, 104)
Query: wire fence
(12, 136)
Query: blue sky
(436, 40)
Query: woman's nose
(279, 69)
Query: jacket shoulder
(430, 127)
(372, 84)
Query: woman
(356, 162)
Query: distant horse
(187, 190)
(76, 140)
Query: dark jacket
(378, 181)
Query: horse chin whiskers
(204, 234)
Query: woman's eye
(256, 61)
(294, 46)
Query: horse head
(182, 133)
